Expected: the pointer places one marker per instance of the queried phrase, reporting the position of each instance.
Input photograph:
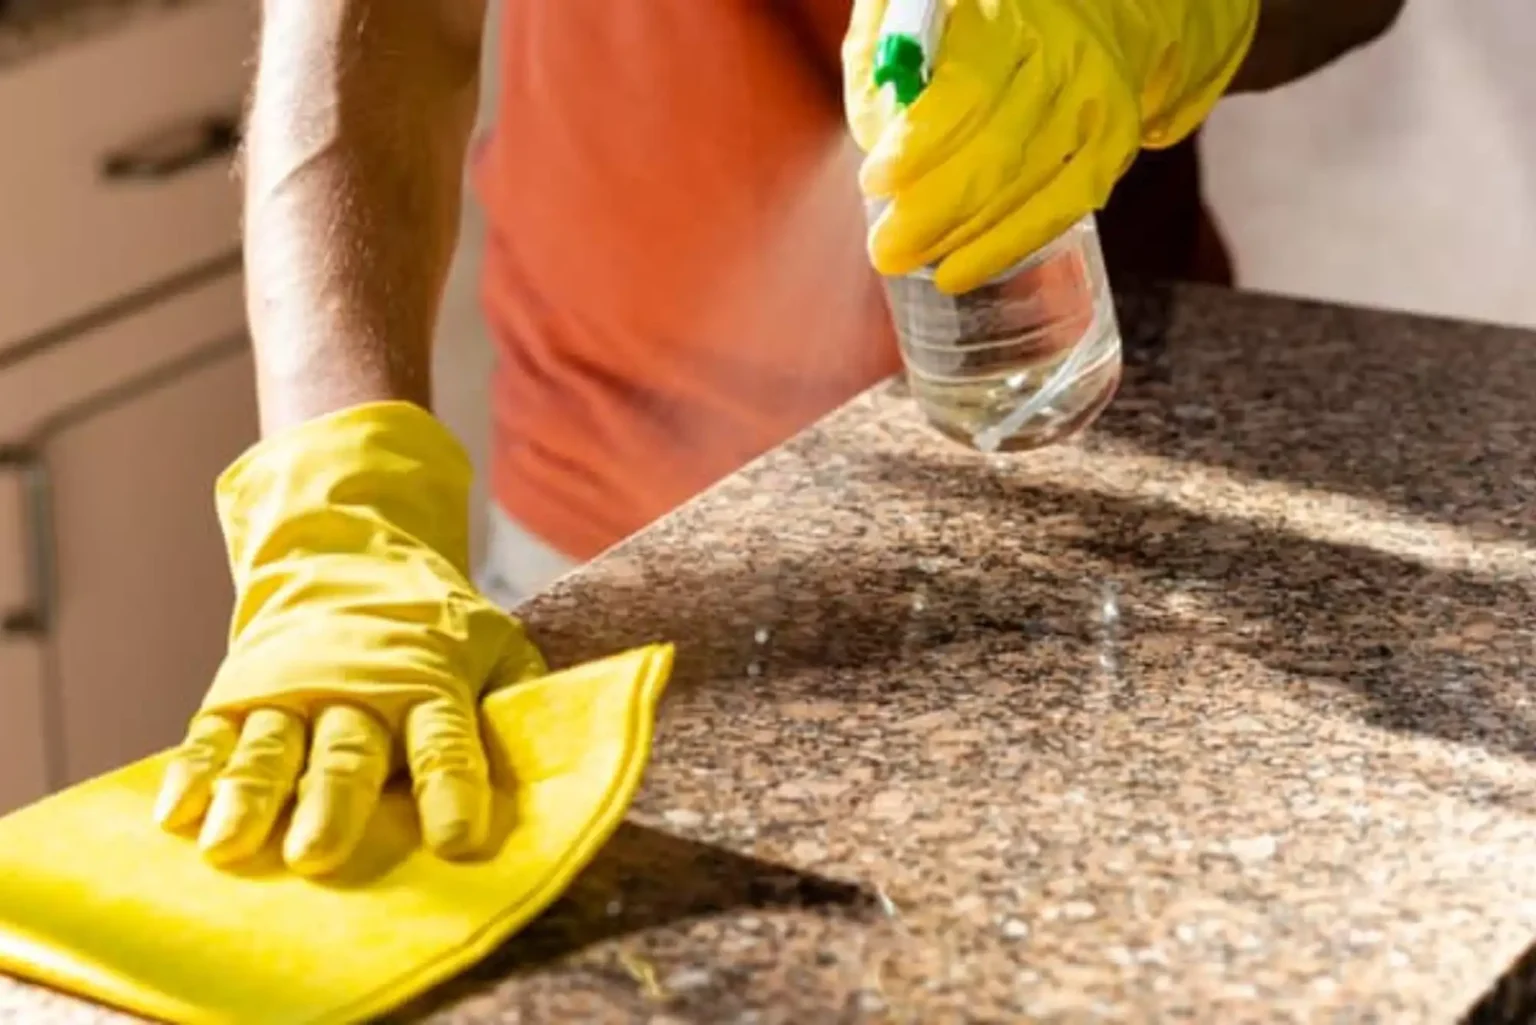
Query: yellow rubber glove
(358, 645)
(1035, 110)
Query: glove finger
(1079, 188)
(348, 765)
(925, 135)
(981, 57)
(254, 786)
(1054, 209)
(1020, 149)
(450, 777)
(521, 663)
(187, 787)
(861, 99)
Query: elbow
(1296, 38)
(1376, 18)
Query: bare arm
(358, 128)
(1298, 37)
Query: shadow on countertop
(1510, 1001)
(646, 879)
(1427, 651)
(1433, 651)
(1432, 416)
(907, 560)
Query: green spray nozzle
(900, 64)
(908, 43)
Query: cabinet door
(24, 775)
(142, 593)
(24, 746)
(115, 176)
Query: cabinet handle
(31, 618)
(170, 151)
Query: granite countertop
(31, 28)
(1222, 714)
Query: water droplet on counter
(755, 669)
(685, 979)
(762, 635)
(1364, 937)
(1015, 929)
(1190, 412)
(1255, 848)
(870, 1002)
(1109, 608)
(887, 906)
(1072, 911)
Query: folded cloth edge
(74, 975)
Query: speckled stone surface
(1222, 715)
(31, 28)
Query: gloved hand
(358, 645)
(1035, 110)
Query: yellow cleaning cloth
(96, 900)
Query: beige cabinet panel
(113, 582)
(115, 163)
(141, 588)
(24, 770)
(24, 732)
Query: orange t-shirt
(675, 276)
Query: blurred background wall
(1404, 176)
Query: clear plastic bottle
(1026, 360)
(1032, 356)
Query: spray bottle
(1032, 356)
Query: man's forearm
(356, 136)
(1297, 37)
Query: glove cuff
(1178, 92)
(359, 480)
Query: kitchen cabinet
(142, 595)
(125, 384)
(115, 175)
(24, 771)
(123, 608)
